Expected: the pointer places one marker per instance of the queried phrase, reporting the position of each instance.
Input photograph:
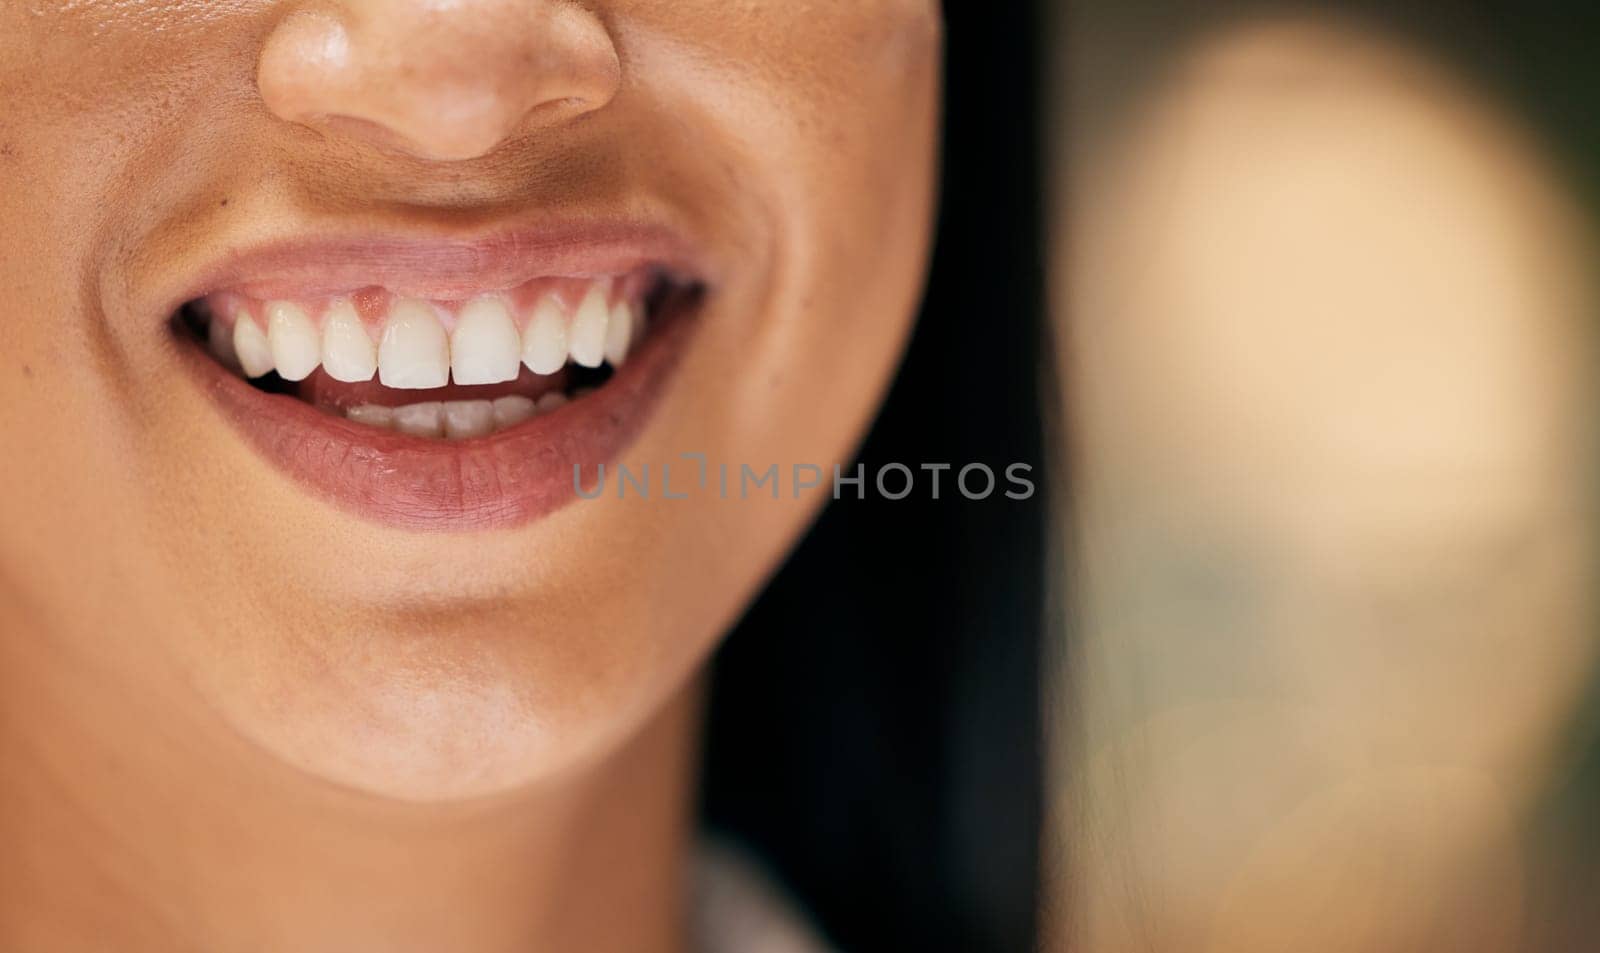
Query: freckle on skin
(27, 370)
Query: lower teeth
(456, 419)
(490, 409)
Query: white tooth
(420, 420)
(511, 410)
(544, 342)
(373, 415)
(551, 401)
(219, 338)
(414, 353)
(250, 345)
(348, 353)
(619, 333)
(293, 338)
(587, 341)
(468, 418)
(485, 347)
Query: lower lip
(500, 481)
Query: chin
(431, 710)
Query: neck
(117, 820)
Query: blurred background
(1294, 306)
(1323, 283)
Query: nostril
(444, 86)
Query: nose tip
(439, 82)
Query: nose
(445, 80)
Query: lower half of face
(296, 389)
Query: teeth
(455, 419)
(511, 410)
(468, 418)
(250, 345)
(293, 338)
(619, 333)
(587, 341)
(420, 420)
(373, 415)
(485, 347)
(347, 350)
(414, 354)
(544, 347)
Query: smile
(447, 387)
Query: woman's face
(725, 206)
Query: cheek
(101, 101)
(817, 153)
(827, 122)
(838, 168)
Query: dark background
(874, 730)
(874, 725)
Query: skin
(236, 717)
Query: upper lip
(504, 479)
(446, 267)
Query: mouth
(449, 388)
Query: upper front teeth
(293, 339)
(544, 340)
(485, 347)
(413, 350)
(348, 353)
(587, 339)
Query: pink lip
(503, 480)
(446, 268)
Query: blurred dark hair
(874, 730)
